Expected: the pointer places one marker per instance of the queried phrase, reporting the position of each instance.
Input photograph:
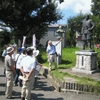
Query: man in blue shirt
(51, 54)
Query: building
(53, 35)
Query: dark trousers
(35, 83)
(16, 80)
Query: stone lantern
(60, 32)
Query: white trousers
(51, 59)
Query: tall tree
(28, 17)
(74, 24)
(95, 9)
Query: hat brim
(11, 50)
(36, 53)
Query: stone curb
(45, 72)
(70, 85)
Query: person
(14, 54)
(37, 69)
(18, 58)
(4, 53)
(10, 71)
(51, 54)
(27, 68)
(86, 32)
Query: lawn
(68, 61)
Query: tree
(95, 9)
(28, 17)
(74, 24)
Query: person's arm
(59, 41)
(30, 73)
(13, 69)
(22, 71)
(92, 25)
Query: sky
(70, 8)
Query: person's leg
(16, 77)
(89, 44)
(4, 70)
(50, 62)
(9, 76)
(23, 91)
(55, 61)
(84, 45)
(20, 81)
(29, 87)
(84, 39)
(35, 83)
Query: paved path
(44, 91)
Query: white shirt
(28, 63)
(18, 59)
(13, 56)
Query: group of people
(23, 62)
(20, 62)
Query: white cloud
(76, 6)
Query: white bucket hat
(35, 53)
(10, 49)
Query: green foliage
(74, 24)
(17, 15)
(95, 7)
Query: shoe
(22, 98)
(20, 85)
(15, 84)
(9, 97)
(50, 69)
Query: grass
(68, 61)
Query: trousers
(51, 59)
(27, 87)
(9, 83)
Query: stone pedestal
(86, 62)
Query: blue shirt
(51, 49)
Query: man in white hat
(10, 70)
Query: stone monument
(86, 60)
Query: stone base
(85, 71)
(86, 62)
